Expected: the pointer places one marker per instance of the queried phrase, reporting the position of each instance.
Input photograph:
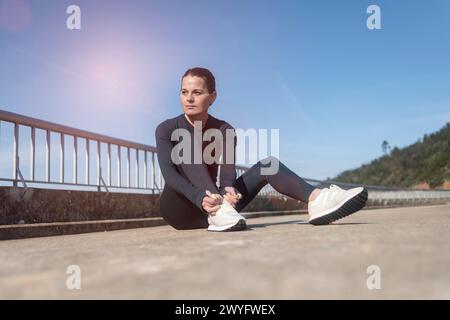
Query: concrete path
(279, 257)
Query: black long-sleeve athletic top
(173, 173)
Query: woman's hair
(205, 74)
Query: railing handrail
(46, 125)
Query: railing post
(88, 160)
(61, 157)
(15, 154)
(128, 168)
(153, 172)
(98, 185)
(119, 167)
(137, 168)
(98, 163)
(75, 159)
(47, 155)
(145, 169)
(109, 164)
(33, 154)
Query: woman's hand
(211, 202)
(232, 196)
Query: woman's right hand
(211, 202)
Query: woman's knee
(268, 160)
(269, 165)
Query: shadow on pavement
(305, 222)
(263, 225)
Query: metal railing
(147, 175)
(151, 178)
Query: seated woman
(191, 198)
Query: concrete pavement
(279, 257)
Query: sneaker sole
(352, 205)
(240, 225)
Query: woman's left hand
(232, 196)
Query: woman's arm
(171, 175)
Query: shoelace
(225, 203)
(326, 191)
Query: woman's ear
(213, 97)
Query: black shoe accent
(351, 206)
(241, 225)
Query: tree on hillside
(385, 147)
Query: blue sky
(312, 69)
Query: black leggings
(181, 214)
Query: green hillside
(426, 161)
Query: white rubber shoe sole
(348, 206)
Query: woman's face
(194, 96)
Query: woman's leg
(179, 212)
(284, 181)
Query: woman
(191, 199)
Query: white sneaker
(334, 203)
(226, 219)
